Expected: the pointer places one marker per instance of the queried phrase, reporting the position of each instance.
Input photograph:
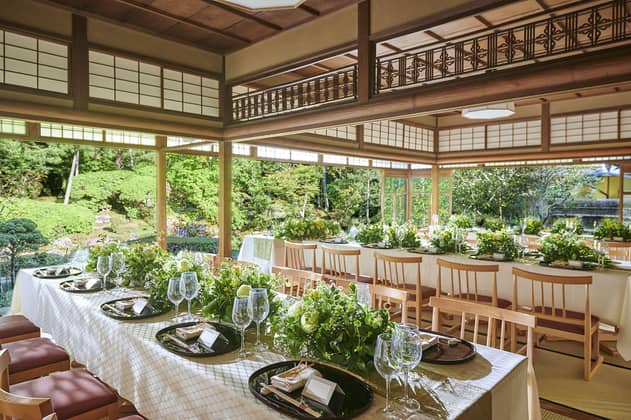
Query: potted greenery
(303, 229)
(571, 225)
(498, 245)
(532, 226)
(407, 236)
(371, 234)
(493, 224)
(566, 249)
(444, 239)
(610, 229)
(461, 221)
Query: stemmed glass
(385, 367)
(363, 295)
(258, 309)
(174, 293)
(103, 267)
(407, 352)
(189, 287)
(118, 267)
(241, 318)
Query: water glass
(407, 352)
(363, 295)
(103, 267)
(385, 367)
(118, 267)
(174, 293)
(241, 318)
(258, 310)
(189, 287)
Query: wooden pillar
(365, 53)
(225, 199)
(408, 197)
(161, 191)
(435, 191)
(79, 72)
(545, 127)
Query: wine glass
(174, 293)
(385, 367)
(189, 287)
(118, 267)
(241, 318)
(407, 352)
(103, 267)
(258, 309)
(363, 295)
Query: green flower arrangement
(370, 234)
(142, 259)
(501, 242)
(610, 228)
(562, 247)
(571, 225)
(99, 251)
(407, 236)
(307, 229)
(493, 224)
(461, 221)
(444, 239)
(532, 226)
(217, 299)
(329, 325)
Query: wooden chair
(35, 357)
(556, 320)
(390, 270)
(385, 296)
(335, 263)
(464, 281)
(295, 255)
(297, 282)
(619, 250)
(534, 243)
(17, 327)
(507, 318)
(94, 401)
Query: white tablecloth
(263, 250)
(163, 385)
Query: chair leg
(587, 357)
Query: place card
(139, 306)
(208, 337)
(92, 282)
(320, 390)
(125, 304)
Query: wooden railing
(336, 86)
(572, 32)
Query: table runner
(164, 385)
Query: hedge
(53, 219)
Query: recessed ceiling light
(488, 112)
(258, 5)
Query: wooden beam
(309, 9)
(79, 74)
(243, 14)
(161, 191)
(545, 126)
(600, 68)
(225, 199)
(435, 207)
(365, 53)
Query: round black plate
(42, 273)
(232, 342)
(587, 266)
(425, 251)
(334, 241)
(484, 258)
(444, 354)
(357, 399)
(376, 246)
(68, 286)
(147, 313)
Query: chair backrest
(619, 250)
(548, 296)
(390, 270)
(295, 255)
(464, 281)
(15, 406)
(297, 282)
(336, 263)
(385, 296)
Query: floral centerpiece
(445, 239)
(610, 229)
(101, 250)
(500, 242)
(559, 248)
(370, 234)
(330, 325)
(571, 225)
(307, 229)
(461, 221)
(218, 297)
(407, 236)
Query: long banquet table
(163, 385)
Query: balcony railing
(564, 34)
(336, 86)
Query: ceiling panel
(216, 18)
(250, 30)
(180, 8)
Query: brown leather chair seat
(72, 392)
(32, 353)
(426, 292)
(16, 325)
(349, 276)
(501, 303)
(557, 325)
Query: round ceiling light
(258, 5)
(488, 112)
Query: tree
(19, 235)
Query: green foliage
(493, 223)
(54, 219)
(194, 244)
(564, 246)
(461, 221)
(370, 234)
(141, 260)
(19, 235)
(407, 236)
(95, 190)
(444, 239)
(217, 301)
(533, 226)
(307, 229)
(194, 184)
(39, 259)
(330, 325)
(498, 242)
(610, 228)
(571, 225)
(103, 250)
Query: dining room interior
(398, 209)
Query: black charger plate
(68, 286)
(147, 313)
(444, 354)
(231, 342)
(43, 274)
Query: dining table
(161, 384)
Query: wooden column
(225, 199)
(79, 72)
(365, 53)
(408, 197)
(161, 191)
(435, 191)
(545, 126)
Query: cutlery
(180, 343)
(116, 310)
(267, 389)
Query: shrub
(571, 225)
(492, 223)
(460, 220)
(306, 229)
(54, 219)
(19, 235)
(500, 241)
(533, 226)
(610, 228)
(369, 234)
(195, 244)
(39, 259)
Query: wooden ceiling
(205, 24)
